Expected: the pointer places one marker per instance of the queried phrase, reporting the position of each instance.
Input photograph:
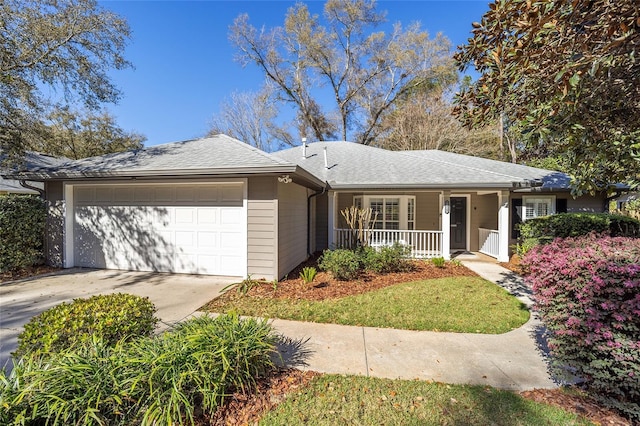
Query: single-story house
(219, 206)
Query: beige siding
(54, 249)
(345, 200)
(322, 222)
(428, 211)
(586, 203)
(292, 227)
(484, 214)
(262, 227)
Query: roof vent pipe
(304, 147)
(326, 163)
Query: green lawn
(457, 304)
(351, 400)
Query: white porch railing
(489, 242)
(423, 244)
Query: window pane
(392, 225)
(410, 209)
(392, 209)
(543, 209)
(376, 205)
(529, 210)
(357, 201)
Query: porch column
(503, 226)
(446, 224)
(331, 218)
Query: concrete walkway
(511, 361)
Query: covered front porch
(432, 223)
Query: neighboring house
(622, 201)
(218, 206)
(31, 160)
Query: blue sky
(184, 64)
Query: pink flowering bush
(587, 290)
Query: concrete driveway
(175, 296)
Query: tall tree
(423, 119)
(250, 117)
(76, 135)
(364, 71)
(567, 73)
(62, 46)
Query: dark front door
(458, 223)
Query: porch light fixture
(284, 179)
(447, 206)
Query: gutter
(324, 190)
(52, 174)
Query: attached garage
(195, 228)
(213, 206)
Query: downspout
(24, 184)
(324, 190)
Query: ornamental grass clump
(587, 290)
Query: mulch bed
(514, 265)
(577, 403)
(324, 286)
(246, 408)
(28, 272)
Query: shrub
(111, 318)
(343, 264)
(543, 230)
(386, 259)
(153, 380)
(22, 222)
(587, 291)
(308, 274)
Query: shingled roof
(216, 155)
(348, 166)
(354, 166)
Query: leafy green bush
(386, 259)
(22, 222)
(160, 380)
(543, 230)
(111, 318)
(343, 264)
(346, 264)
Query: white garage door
(195, 228)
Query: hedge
(22, 224)
(587, 290)
(543, 230)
